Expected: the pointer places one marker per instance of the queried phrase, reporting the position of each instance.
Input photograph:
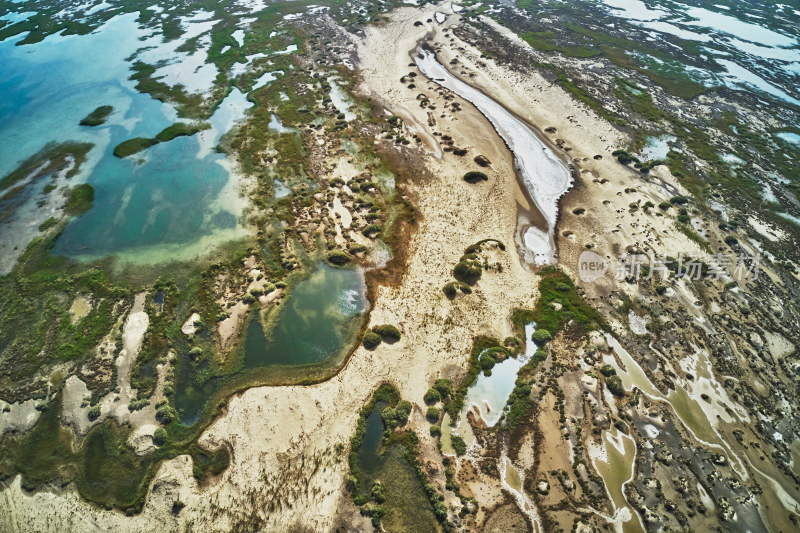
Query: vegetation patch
(98, 116)
(79, 199)
(180, 129)
(475, 176)
(133, 146)
(389, 333)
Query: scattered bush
(432, 414)
(607, 370)
(487, 361)
(98, 116)
(160, 436)
(94, 413)
(403, 411)
(389, 416)
(388, 333)
(371, 340)
(730, 240)
(132, 146)
(475, 176)
(177, 505)
(432, 396)
(79, 199)
(166, 414)
(512, 342)
(338, 258)
(661, 290)
(614, 384)
(541, 337)
(468, 271)
(458, 444)
(679, 200)
(444, 386)
(436, 430)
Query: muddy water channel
(543, 173)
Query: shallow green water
(322, 313)
(317, 323)
(407, 507)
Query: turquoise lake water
(172, 201)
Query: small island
(98, 116)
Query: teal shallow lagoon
(176, 200)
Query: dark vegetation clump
(482, 161)
(98, 116)
(79, 199)
(338, 258)
(475, 176)
(371, 340)
(389, 333)
(614, 384)
(459, 445)
(432, 396)
(133, 146)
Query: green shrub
(432, 396)
(160, 436)
(94, 413)
(377, 492)
(541, 337)
(338, 258)
(403, 411)
(436, 430)
(47, 224)
(371, 340)
(444, 386)
(607, 370)
(614, 384)
(179, 129)
(166, 414)
(177, 505)
(679, 200)
(458, 444)
(432, 414)
(730, 240)
(512, 342)
(389, 416)
(132, 146)
(664, 206)
(475, 176)
(388, 333)
(661, 290)
(468, 272)
(487, 361)
(539, 355)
